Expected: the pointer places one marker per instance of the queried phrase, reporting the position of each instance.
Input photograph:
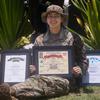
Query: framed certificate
(14, 65)
(92, 76)
(51, 60)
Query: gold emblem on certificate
(53, 62)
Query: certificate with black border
(92, 76)
(51, 60)
(15, 65)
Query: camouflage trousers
(37, 86)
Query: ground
(87, 93)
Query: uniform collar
(61, 36)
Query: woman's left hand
(76, 71)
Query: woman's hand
(76, 71)
(32, 69)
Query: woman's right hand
(32, 69)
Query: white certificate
(93, 74)
(53, 62)
(15, 68)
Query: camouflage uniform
(66, 38)
(52, 85)
(37, 86)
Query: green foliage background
(90, 10)
(12, 23)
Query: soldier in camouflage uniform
(57, 35)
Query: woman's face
(54, 20)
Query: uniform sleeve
(39, 41)
(80, 54)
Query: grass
(87, 93)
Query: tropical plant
(90, 10)
(12, 23)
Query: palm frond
(11, 15)
(91, 15)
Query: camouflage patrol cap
(53, 8)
